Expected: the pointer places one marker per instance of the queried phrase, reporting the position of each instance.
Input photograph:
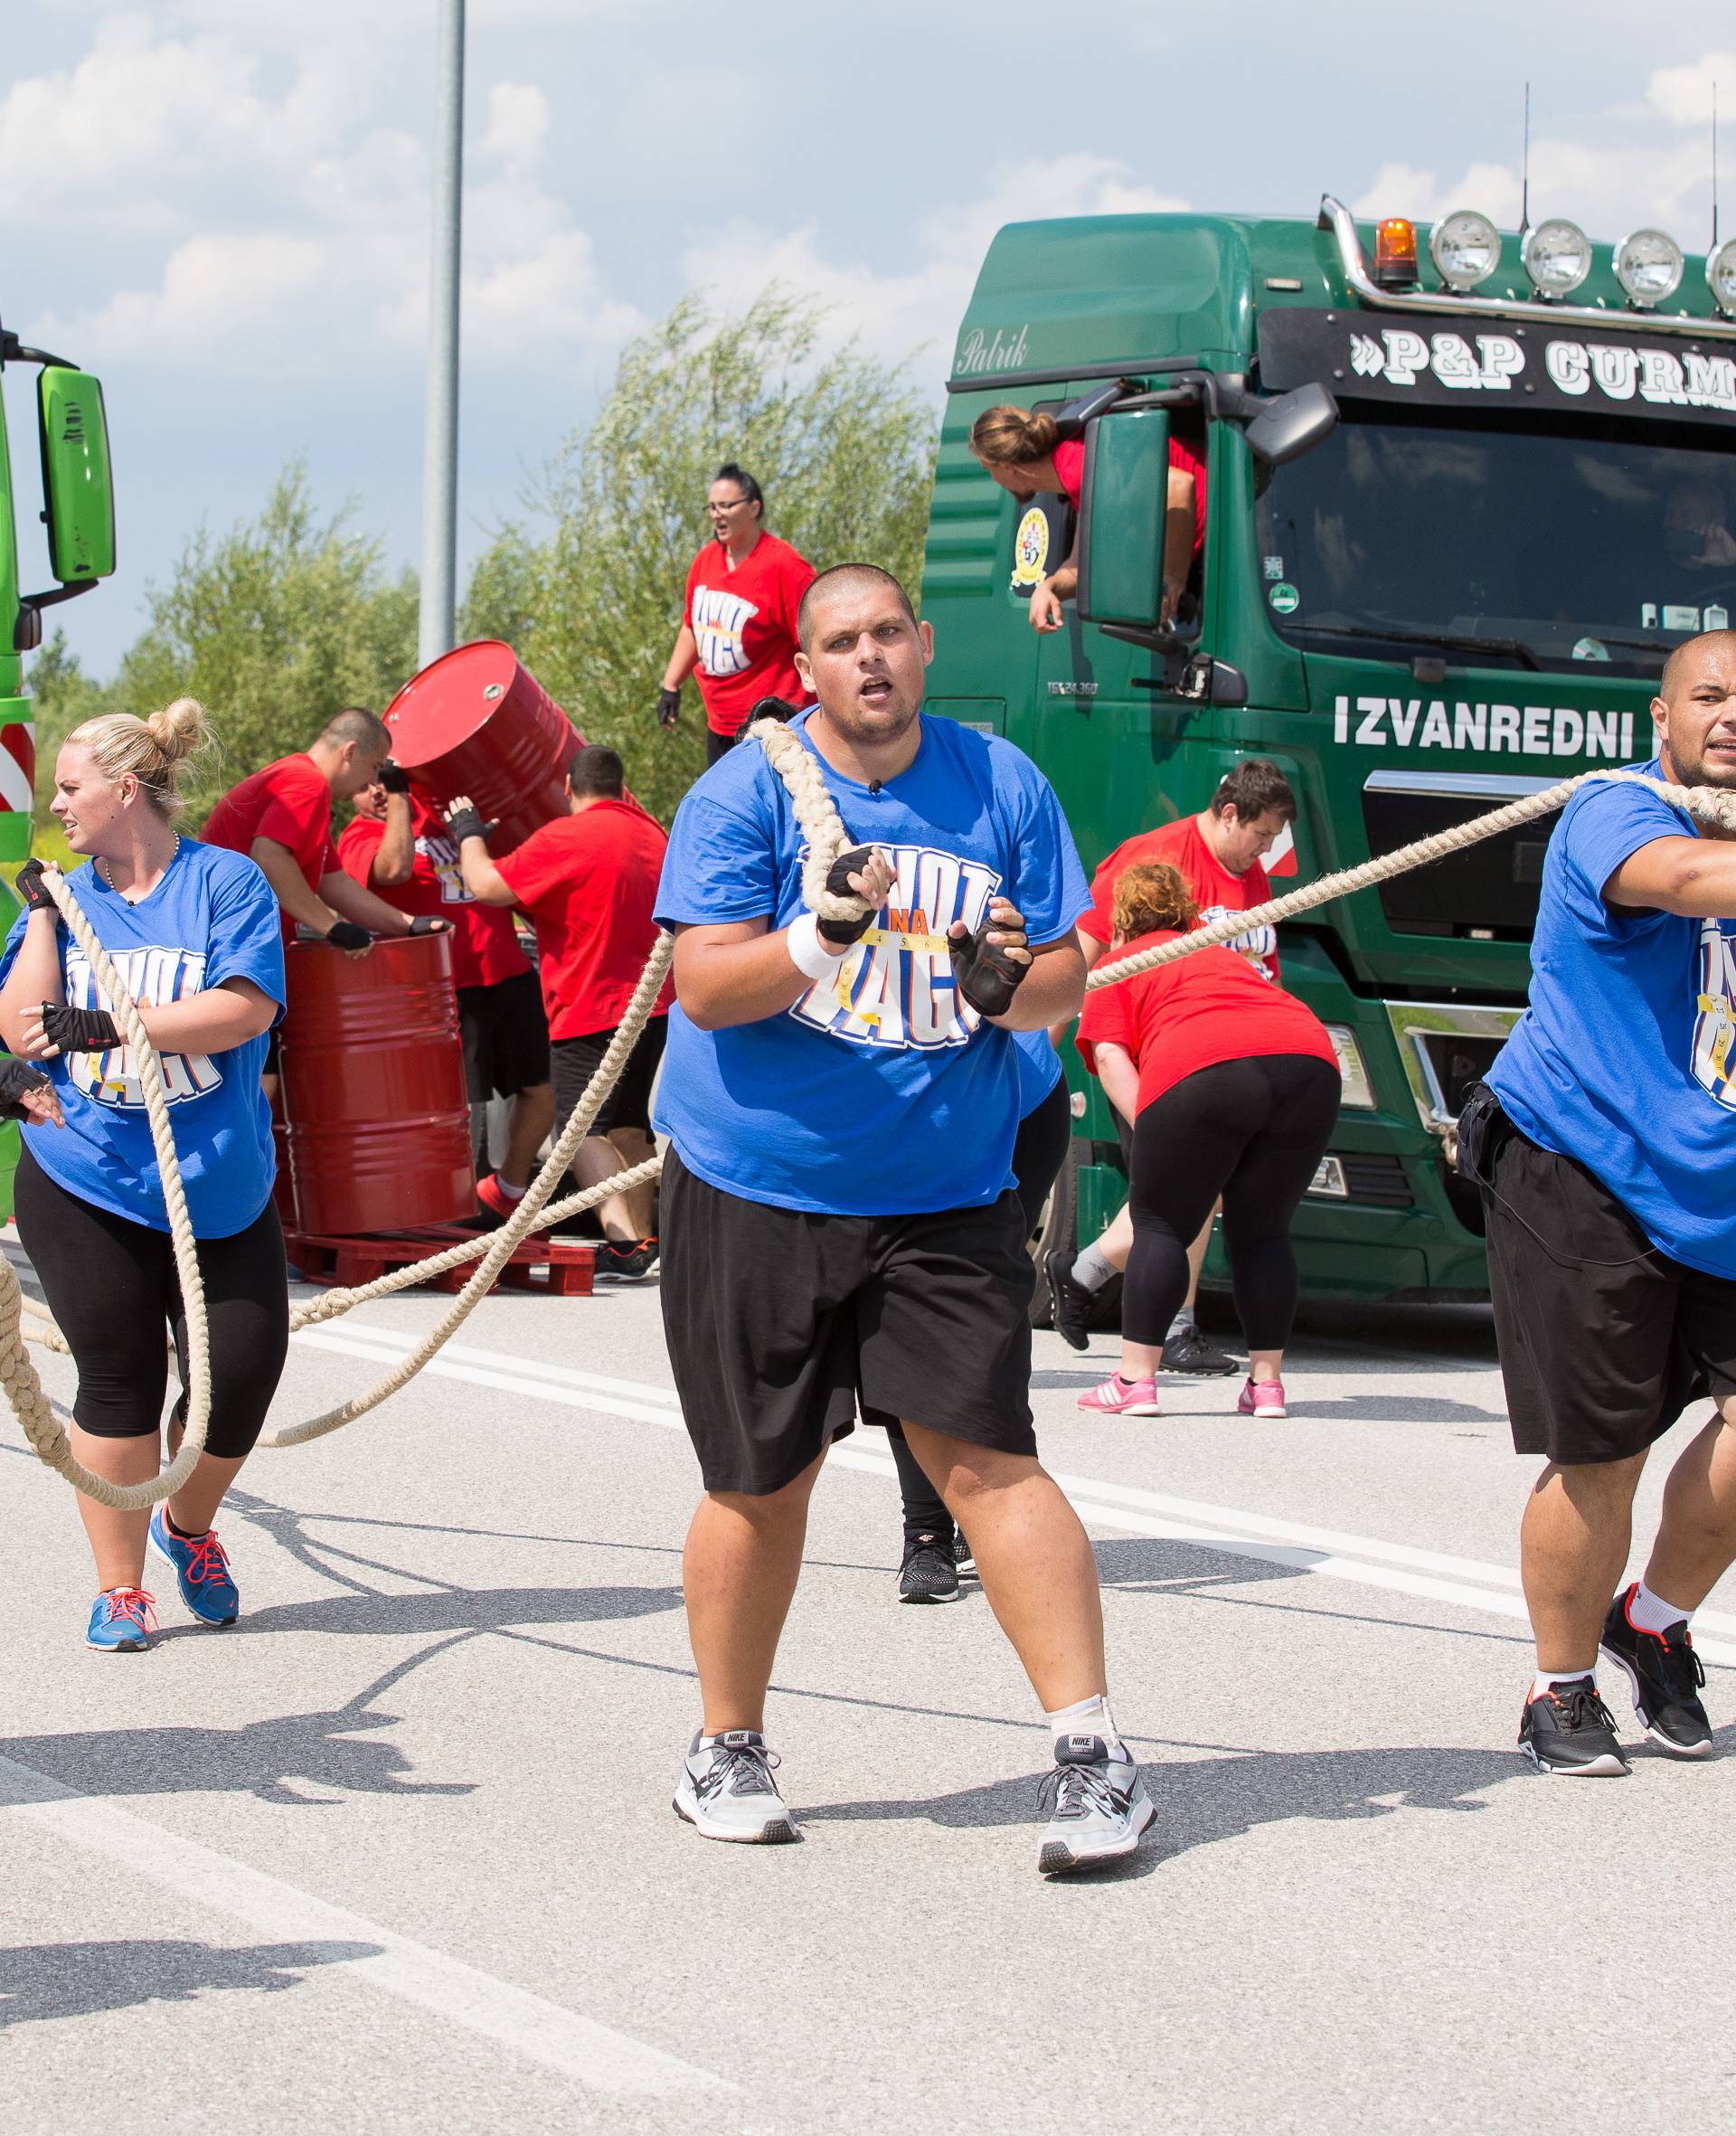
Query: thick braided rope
(816, 811)
(41, 1427)
(501, 1245)
(1711, 805)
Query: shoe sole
(1121, 1409)
(1058, 1859)
(118, 1646)
(1200, 1371)
(1610, 1765)
(1702, 1749)
(919, 1599)
(778, 1831)
(1269, 1415)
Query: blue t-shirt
(1626, 1059)
(212, 918)
(880, 1091)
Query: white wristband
(806, 952)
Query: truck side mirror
(1122, 508)
(1293, 424)
(78, 492)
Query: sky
(222, 206)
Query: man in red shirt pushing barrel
(399, 848)
(589, 881)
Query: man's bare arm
(1695, 878)
(354, 902)
(395, 857)
(278, 866)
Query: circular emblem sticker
(1031, 548)
(1285, 599)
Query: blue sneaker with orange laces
(122, 1621)
(202, 1567)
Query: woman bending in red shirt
(1232, 1088)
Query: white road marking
(1398, 1568)
(458, 1994)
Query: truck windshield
(1551, 545)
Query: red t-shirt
(1208, 1008)
(1209, 883)
(1069, 464)
(484, 948)
(590, 883)
(744, 621)
(289, 801)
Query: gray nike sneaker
(726, 1789)
(1097, 1802)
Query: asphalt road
(397, 1855)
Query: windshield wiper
(1435, 640)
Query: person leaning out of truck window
(1026, 455)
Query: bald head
(1694, 710)
(846, 580)
(1690, 657)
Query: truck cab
(1461, 503)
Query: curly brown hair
(1151, 895)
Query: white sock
(512, 1192)
(1093, 1269)
(1545, 1681)
(1091, 1716)
(1650, 1612)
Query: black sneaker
(617, 1262)
(1570, 1731)
(1070, 1303)
(929, 1572)
(962, 1555)
(1189, 1352)
(1665, 1674)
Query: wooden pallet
(557, 1267)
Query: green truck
(1461, 502)
(79, 514)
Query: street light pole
(436, 623)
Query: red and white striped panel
(18, 767)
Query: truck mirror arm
(27, 630)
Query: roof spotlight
(1557, 256)
(1720, 273)
(1466, 247)
(1648, 266)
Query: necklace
(103, 870)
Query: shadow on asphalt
(452, 1608)
(42, 1980)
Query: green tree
(274, 625)
(843, 446)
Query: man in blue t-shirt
(1608, 1178)
(839, 1226)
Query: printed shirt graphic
(485, 947)
(880, 1091)
(1624, 1058)
(289, 801)
(1205, 1008)
(212, 918)
(744, 624)
(1217, 892)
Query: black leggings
(1038, 1155)
(1253, 1131)
(111, 1284)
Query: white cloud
(1682, 95)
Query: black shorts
(781, 1324)
(1604, 1339)
(628, 1104)
(506, 1037)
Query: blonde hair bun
(150, 750)
(179, 730)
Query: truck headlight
(1720, 273)
(1351, 1072)
(1466, 247)
(1557, 256)
(1648, 266)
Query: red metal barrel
(476, 722)
(379, 1118)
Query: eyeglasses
(733, 504)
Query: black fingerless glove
(17, 1077)
(837, 880)
(983, 973)
(668, 707)
(773, 708)
(467, 823)
(425, 923)
(394, 777)
(79, 1030)
(348, 934)
(30, 887)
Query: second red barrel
(478, 721)
(373, 1089)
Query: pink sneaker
(1120, 1397)
(1262, 1397)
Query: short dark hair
(597, 771)
(354, 724)
(751, 490)
(869, 574)
(1255, 786)
(1672, 666)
